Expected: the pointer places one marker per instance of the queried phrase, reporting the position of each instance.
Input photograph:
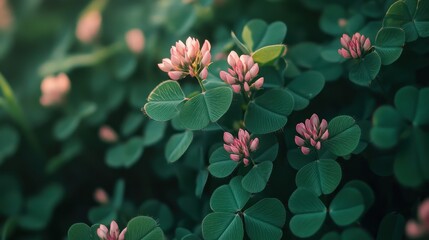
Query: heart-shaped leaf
(387, 125)
(256, 179)
(39, 208)
(205, 107)
(411, 16)
(65, 127)
(229, 198)
(344, 135)
(222, 226)
(389, 43)
(320, 176)
(365, 191)
(11, 200)
(265, 219)
(165, 101)
(391, 227)
(347, 206)
(411, 103)
(355, 233)
(309, 213)
(364, 70)
(305, 87)
(257, 34)
(153, 132)
(159, 211)
(268, 112)
(269, 54)
(143, 228)
(9, 141)
(125, 154)
(177, 145)
(81, 231)
(411, 167)
(221, 164)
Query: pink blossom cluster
(187, 59)
(312, 133)
(54, 89)
(242, 73)
(240, 148)
(104, 233)
(416, 229)
(354, 47)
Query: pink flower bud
(135, 40)
(228, 138)
(88, 26)
(299, 141)
(234, 157)
(354, 47)
(204, 73)
(54, 89)
(107, 134)
(254, 144)
(245, 161)
(101, 196)
(413, 229)
(236, 88)
(305, 150)
(258, 83)
(175, 75)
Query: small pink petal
(325, 135)
(206, 59)
(227, 148)
(175, 75)
(423, 211)
(228, 138)
(254, 144)
(258, 83)
(114, 229)
(234, 157)
(300, 128)
(122, 235)
(312, 142)
(204, 73)
(233, 59)
(413, 229)
(245, 161)
(246, 87)
(299, 141)
(102, 231)
(254, 70)
(318, 145)
(305, 150)
(236, 88)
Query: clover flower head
(241, 76)
(241, 146)
(104, 233)
(354, 47)
(135, 40)
(187, 59)
(311, 134)
(54, 88)
(416, 229)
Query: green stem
(10, 104)
(80, 60)
(200, 81)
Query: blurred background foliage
(52, 158)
